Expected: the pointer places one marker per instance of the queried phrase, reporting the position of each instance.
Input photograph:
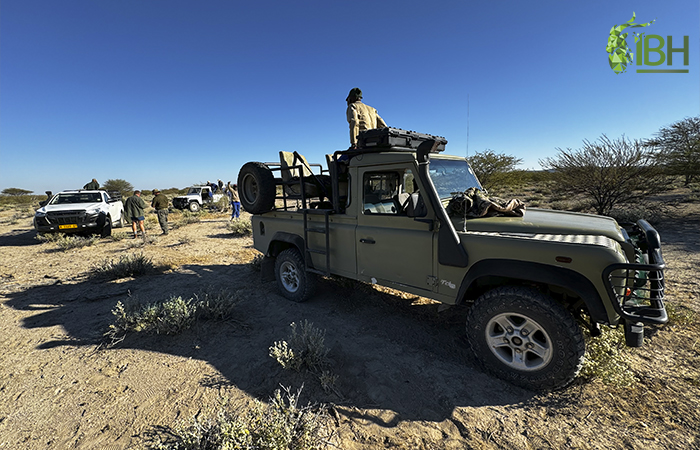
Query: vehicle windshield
(451, 176)
(194, 190)
(78, 197)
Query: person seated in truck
(92, 185)
(361, 117)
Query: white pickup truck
(86, 211)
(196, 197)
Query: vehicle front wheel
(194, 207)
(526, 338)
(106, 229)
(293, 281)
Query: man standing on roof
(361, 117)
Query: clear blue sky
(165, 93)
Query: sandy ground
(405, 376)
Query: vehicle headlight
(40, 213)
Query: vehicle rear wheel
(526, 338)
(257, 189)
(120, 222)
(293, 281)
(194, 207)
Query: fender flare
(280, 241)
(539, 273)
(274, 248)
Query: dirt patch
(405, 375)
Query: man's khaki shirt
(362, 117)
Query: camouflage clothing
(474, 203)
(362, 117)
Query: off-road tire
(293, 281)
(551, 350)
(256, 186)
(193, 207)
(120, 222)
(106, 229)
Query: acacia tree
(608, 171)
(122, 186)
(679, 145)
(15, 191)
(492, 168)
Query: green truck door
(392, 248)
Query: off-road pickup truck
(80, 211)
(532, 283)
(195, 198)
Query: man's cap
(354, 95)
(156, 191)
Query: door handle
(367, 241)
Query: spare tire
(256, 188)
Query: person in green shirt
(134, 208)
(160, 203)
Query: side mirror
(416, 206)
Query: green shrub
(25, 200)
(305, 348)
(187, 218)
(128, 265)
(606, 358)
(632, 213)
(172, 316)
(282, 424)
(240, 227)
(256, 262)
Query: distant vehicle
(195, 198)
(80, 211)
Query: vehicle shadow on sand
(19, 238)
(389, 353)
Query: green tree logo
(619, 54)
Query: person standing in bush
(160, 203)
(135, 208)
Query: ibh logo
(620, 56)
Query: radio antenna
(467, 125)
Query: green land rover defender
(379, 214)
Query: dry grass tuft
(280, 424)
(127, 265)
